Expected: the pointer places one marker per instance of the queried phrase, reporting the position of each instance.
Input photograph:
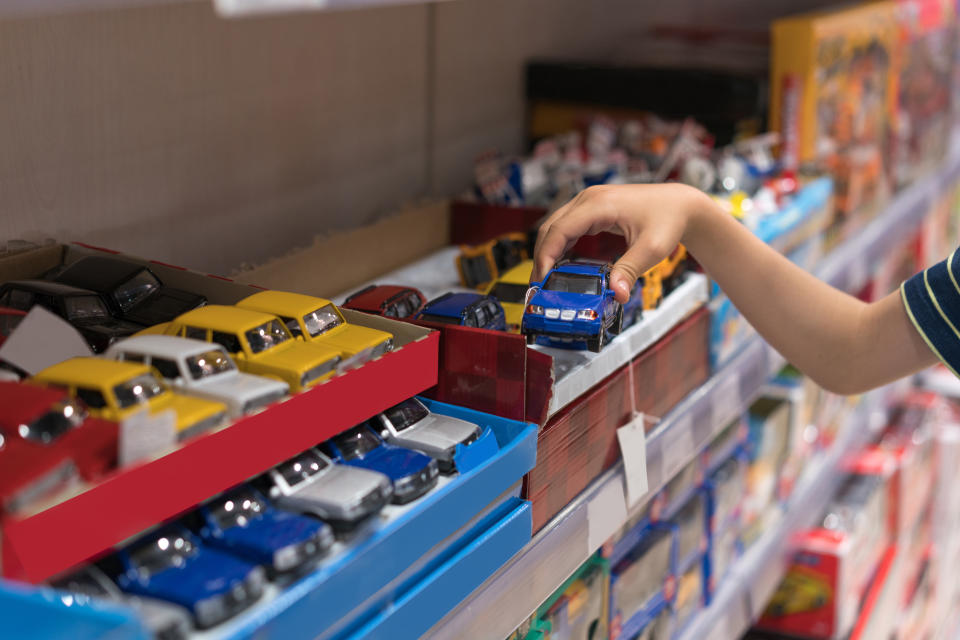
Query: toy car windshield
(476, 269)
(137, 390)
(305, 465)
(406, 414)
(164, 553)
(237, 509)
(266, 336)
(85, 307)
(209, 363)
(322, 320)
(136, 289)
(63, 417)
(84, 584)
(507, 292)
(356, 443)
(573, 283)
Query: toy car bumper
(561, 329)
(415, 485)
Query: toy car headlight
(287, 557)
(587, 314)
(255, 581)
(535, 309)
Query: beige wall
(171, 133)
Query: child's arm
(843, 344)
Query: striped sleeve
(932, 300)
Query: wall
(168, 132)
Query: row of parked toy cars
(214, 562)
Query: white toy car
(339, 494)
(201, 369)
(412, 426)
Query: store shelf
(226, 8)
(513, 593)
(747, 588)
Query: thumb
(633, 264)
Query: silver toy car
(165, 620)
(201, 369)
(339, 494)
(411, 425)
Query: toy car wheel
(618, 323)
(595, 344)
(530, 338)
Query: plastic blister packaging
(727, 485)
(689, 594)
(691, 521)
(639, 577)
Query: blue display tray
(419, 546)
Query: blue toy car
(173, 565)
(573, 303)
(465, 309)
(412, 473)
(244, 523)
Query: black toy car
(82, 308)
(131, 291)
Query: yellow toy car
(511, 290)
(479, 265)
(258, 342)
(318, 321)
(115, 390)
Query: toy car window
(393, 311)
(404, 307)
(508, 292)
(482, 316)
(209, 363)
(61, 417)
(356, 443)
(237, 509)
(137, 390)
(573, 283)
(298, 469)
(322, 320)
(476, 270)
(9, 322)
(470, 320)
(266, 336)
(92, 398)
(228, 341)
(292, 326)
(195, 332)
(167, 368)
(429, 317)
(163, 553)
(17, 299)
(84, 307)
(136, 289)
(132, 357)
(83, 583)
(492, 310)
(406, 414)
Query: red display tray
(139, 496)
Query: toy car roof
(452, 304)
(219, 317)
(582, 267)
(164, 346)
(95, 372)
(375, 295)
(293, 304)
(23, 402)
(99, 273)
(51, 288)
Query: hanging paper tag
(633, 449)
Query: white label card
(146, 436)
(633, 449)
(606, 513)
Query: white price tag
(726, 400)
(606, 513)
(633, 449)
(144, 436)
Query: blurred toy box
(833, 99)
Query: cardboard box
(137, 497)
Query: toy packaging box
(578, 609)
(834, 98)
(644, 580)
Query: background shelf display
(513, 594)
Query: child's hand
(653, 218)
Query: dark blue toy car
(412, 473)
(465, 309)
(175, 566)
(244, 523)
(573, 303)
